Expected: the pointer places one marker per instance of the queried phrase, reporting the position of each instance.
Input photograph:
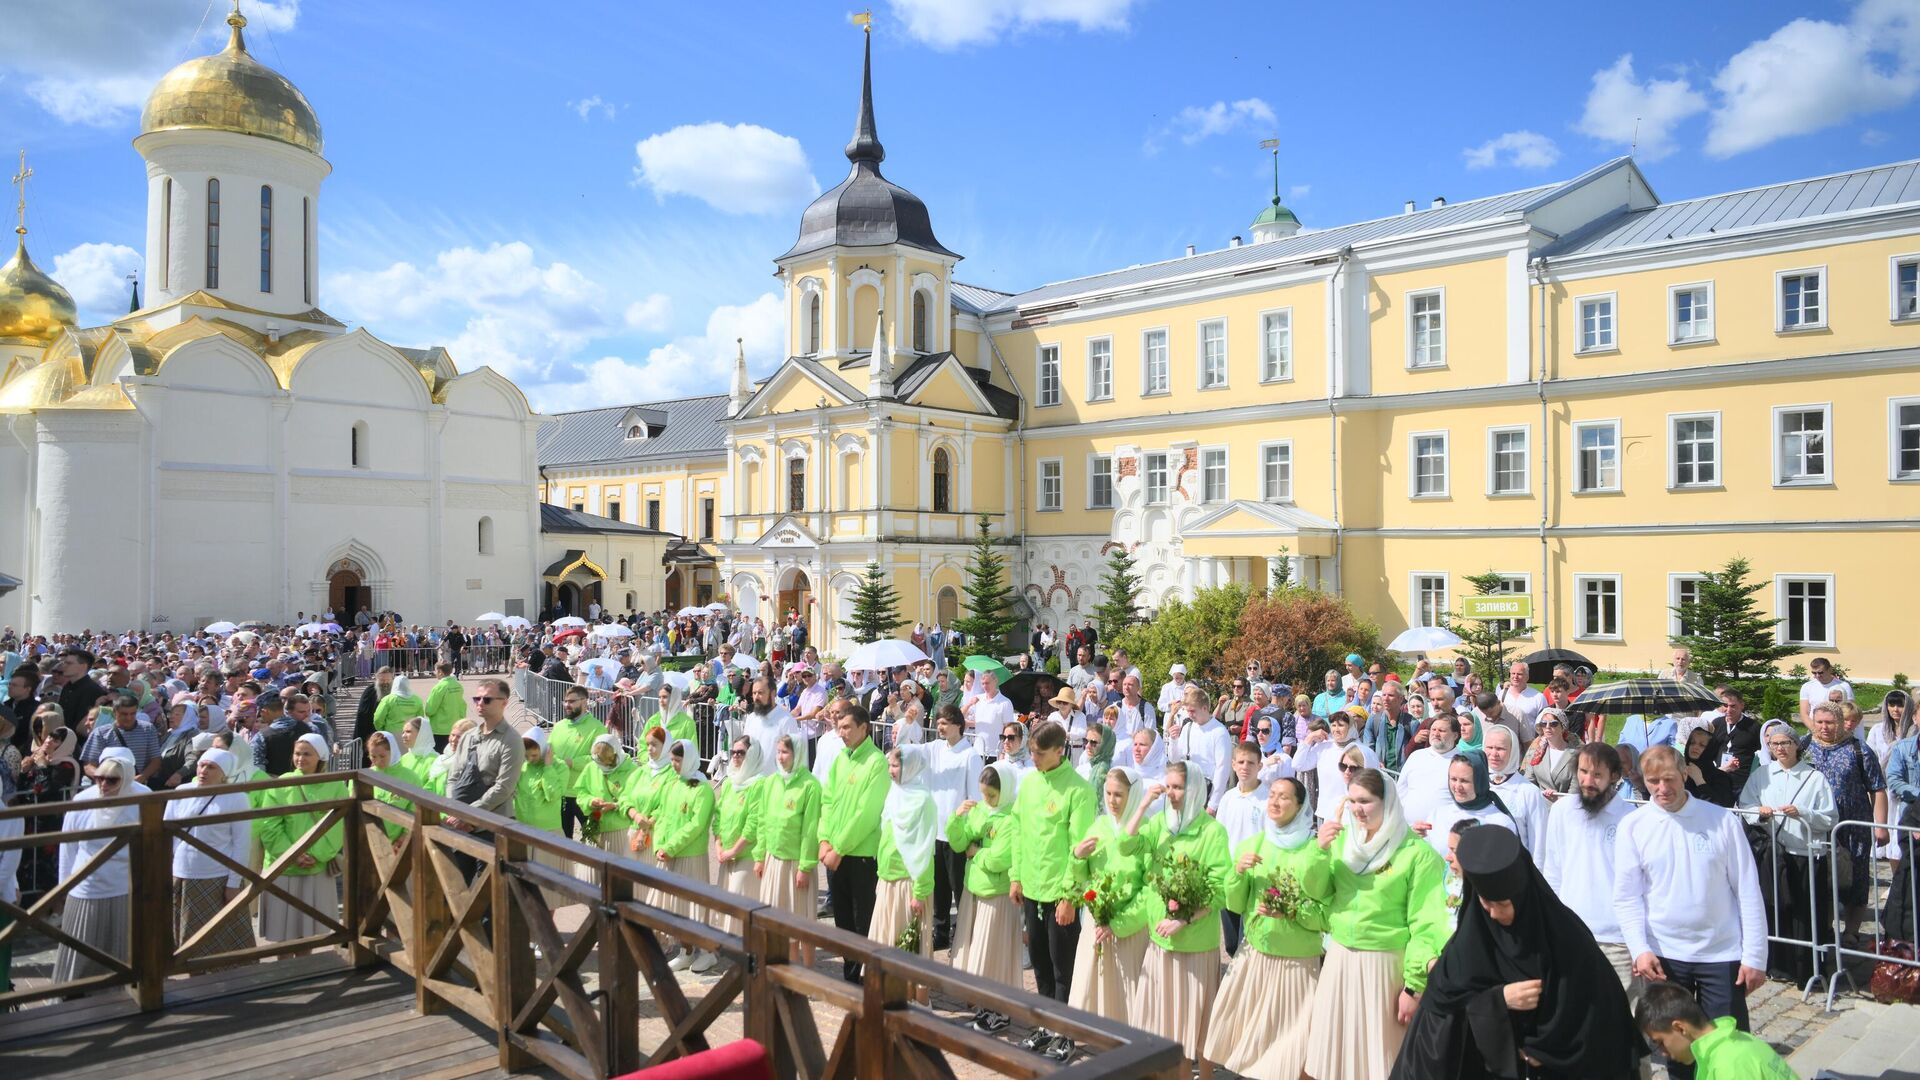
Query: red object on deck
(743, 1060)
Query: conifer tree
(1120, 588)
(989, 618)
(1731, 641)
(1484, 641)
(876, 608)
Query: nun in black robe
(1582, 1025)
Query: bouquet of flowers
(1283, 897)
(1104, 902)
(590, 827)
(1182, 882)
(909, 939)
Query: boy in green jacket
(850, 805)
(446, 704)
(1053, 810)
(1716, 1049)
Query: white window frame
(1894, 263)
(1780, 585)
(1780, 299)
(1095, 391)
(1147, 388)
(1226, 475)
(1416, 610)
(1673, 319)
(1525, 431)
(1200, 353)
(1612, 344)
(1059, 500)
(1266, 488)
(1412, 354)
(1674, 581)
(1581, 632)
(1040, 376)
(1283, 370)
(1579, 459)
(1413, 465)
(1780, 479)
(1093, 463)
(1526, 589)
(1893, 440)
(1146, 477)
(1674, 483)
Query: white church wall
(218, 557)
(91, 548)
(15, 489)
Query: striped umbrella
(1652, 697)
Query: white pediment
(789, 535)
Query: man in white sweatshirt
(1423, 776)
(1675, 862)
(1193, 735)
(1578, 859)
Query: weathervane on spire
(20, 181)
(1274, 146)
(862, 19)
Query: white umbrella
(600, 662)
(515, 622)
(570, 620)
(716, 607)
(611, 630)
(884, 655)
(312, 628)
(692, 612)
(1424, 639)
(743, 662)
(679, 680)
(491, 616)
(222, 627)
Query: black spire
(866, 141)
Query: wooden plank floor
(312, 1018)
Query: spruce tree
(1484, 641)
(876, 608)
(989, 618)
(1119, 605)
(1282, 573)
(1731, 641)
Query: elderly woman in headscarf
(683, 822)
(1553, 759)
(1704, 777)
(1013, 745)
(1181, 973)
(1097, 756)
(1107, 960)
(987, 932)
(736, 823)
(1472, 796)
(787, 850)
(602, 791)
(1793, 802)
(96, 911)
(203, 884)
(313, 874)
(904, 858)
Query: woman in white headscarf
(1325, 758)
(1793, 801)
(96, 911)
(986, 939)
(736, 824)
(313, 875)
(787, 852)
(908, 824)
(602, 791)
(683, 825)
(1148, 759)
(201, 883)
(1181, 972)
(1106, 963)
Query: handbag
(1894, 982)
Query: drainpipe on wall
(1017, 526)
(1333, 415)
(1546, 445)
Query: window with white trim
(1903, 438)
(1426, 330)
(1597, 324)
(1099, 369)
(1691, 307)
(1507, 454)
(1100, 482)
(1510, 585)
(1428, 452)
(1276, 472)
(1429, 600)
(1806, 609)
(1906, 287)
(1596, 446)
(1213, 475)
(1153, 473)
(1052, 484)
(1598, 597)
(1154, 377)
(1048, 382)
(1682, 589)
(1696, 450)
(1213, 354)
(1800, 449)
(1803, 299)
(1276, 345)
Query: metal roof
(975, 299)
(693, 427)
(562, 519)
(1797, 200)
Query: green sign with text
(1497, 606)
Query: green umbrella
(983, 662)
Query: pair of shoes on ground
(699, 962)
(988, 1022)
(1048, 1044)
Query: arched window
(631, 598)
(947, 606)
(166, 231)
(942, 482)
(920, 335)
(357, 450)
(306, 251)
(796, 485)
(813, 325)
(636, 432)
(486, 536)
(623, 570)
(213, 233)
(266, 239)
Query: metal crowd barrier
(1818, 849)
(1907, 876)
(625, 715)
(346, 755)
(486, 659)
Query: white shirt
(1529, 808)
(990, 715)
(1323, 758)
(1131, 719)
(1445, 816)
(1242, 812)
(1423, 783)
(1524, 708)
(766, 730)
(10, 860)
(231, 838)
(1209, 747)
(1579, 861)
(1170, 692)
(111, 878)
(1814, 692)
(1673, 874)
(954, 777)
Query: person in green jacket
(677, 721)
(683, 822)
(1055, 808)
(851, 802)
(543, 783)
(1281, 884)
(986, 937)
(572, 737)
(1109, 859)
(904, 859)
(419, 757)
(736, 824)
(657, 774)
(786, 853)
(1718, 1050)
(1181, 972)
(602, 790)
(1385, 928)
(314, 874)
(446, 704)
(397, 708)
(434, 779)
(386, 758)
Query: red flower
(1089, 897)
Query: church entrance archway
(674, 591)
(796, 595)
(347, 590)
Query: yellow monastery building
(1589, 390)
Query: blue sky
(589, 196)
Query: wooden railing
(462, 910)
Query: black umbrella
(1024, 689)
(1540, 664)
(1651, 697)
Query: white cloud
(96, 275)
(97, 68)
(1812, 74)
(1197, 122)
(1519, 149)
(1621, 108)
(586, 107)
(950, 24)
(1299, 191)
(696, 364)
(736, 169)
(653, 313)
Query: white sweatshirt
(1578, 861)
(231, 838)
(1423, 783)
(955, 772)
(1673, 877)
(1242, 812)
(1529, 809)
(1207, 746)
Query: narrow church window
(813, 325)
(306, 249)
(486, 536)
(213, 233)
(266, 239)
(919, 322)
(166, 228)
(942, 483)
(358, 449)
(796, 485)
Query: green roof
(1276, 213)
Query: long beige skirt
(281, 921)
(737, 878)
(891, 914)
(777, 889)
(986, 938)
(195, 902)
(1104, 985)
(1259, 1027)
(1174, 995)
(693, 868)
(1353, 1033)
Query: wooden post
(431, 915)
(880, 991)
(363, 876)
(151, 907)
(619, 977)
(759, 1016)
(512, 952)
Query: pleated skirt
(737, 878)
(693, 868)
(614, 842)
(1260, 1019)
(986, 938)
(1174, 995)
(891, 915)
(1104, 985)
(777, 889)
(281, 921)
(1353, 1034)
(102, 923)
(195, 902)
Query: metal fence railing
(625, 714)
(1906, 877)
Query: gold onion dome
(33, 307)
(231, 91)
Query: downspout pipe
(1546, 446)
(1333, 414)
(1018, 525)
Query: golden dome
(33, 306)
(231, 91)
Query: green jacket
(644, 793)
(279, 834)
(737, 814)
(572, 744)
(679, 726)
(1308, 865)
(446, 706)
(536, 800)
(609, 787)
(995, 832)
(850, 802)
(789, 820)
(1124, 858)
(1402, 908)
(399, 772)
(1054, 810)
(1205, 841)
(1727, 1053)
(894, 868)
(683, 818)
(395, 710)
(414, 768)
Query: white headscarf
(537, 735)
(751, 767)
(619, 752)
(394, 753)
(114, 815)
(689, 759)
(664, 762)
(1156, 762)
(1136, 792)
(319, 747)
(1193, 805)
(799, 744)
(910, 812)
(1009, 777)
(222, 760)
(1364, 856)
(1294, 833)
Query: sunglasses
(1010, 736)
(482, 699)
(1344, 767)
(1263, 730)
(737, 753)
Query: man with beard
(1423, 779)
(1578, 861)
(766, 720)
